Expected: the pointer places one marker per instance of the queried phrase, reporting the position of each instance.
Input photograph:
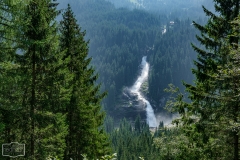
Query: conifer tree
(137, 126)
(10, 12)
(229, 96)
(204, 117)
(84, 115)
(40, 127)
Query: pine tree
(9, 93)
(109, 124)
(84, 115)
(229, 96)
(40, 127)
(204, 117)
(137, 126)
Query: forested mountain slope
(172, 8)
(120, 37)
(172, 58)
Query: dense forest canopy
(172, 8)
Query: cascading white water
(135, 89)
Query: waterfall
(135, 89)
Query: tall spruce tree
(84, 115)
(10, 12)
(40, 127)
(205, 117)
(228, 96)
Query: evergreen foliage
(208, 119)
(132, 143)
(119, 39)
(51, 102)
(172, 58)
(8, 100)
(47, 86)
(40, 127)
(171, 8)
(84, 115)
